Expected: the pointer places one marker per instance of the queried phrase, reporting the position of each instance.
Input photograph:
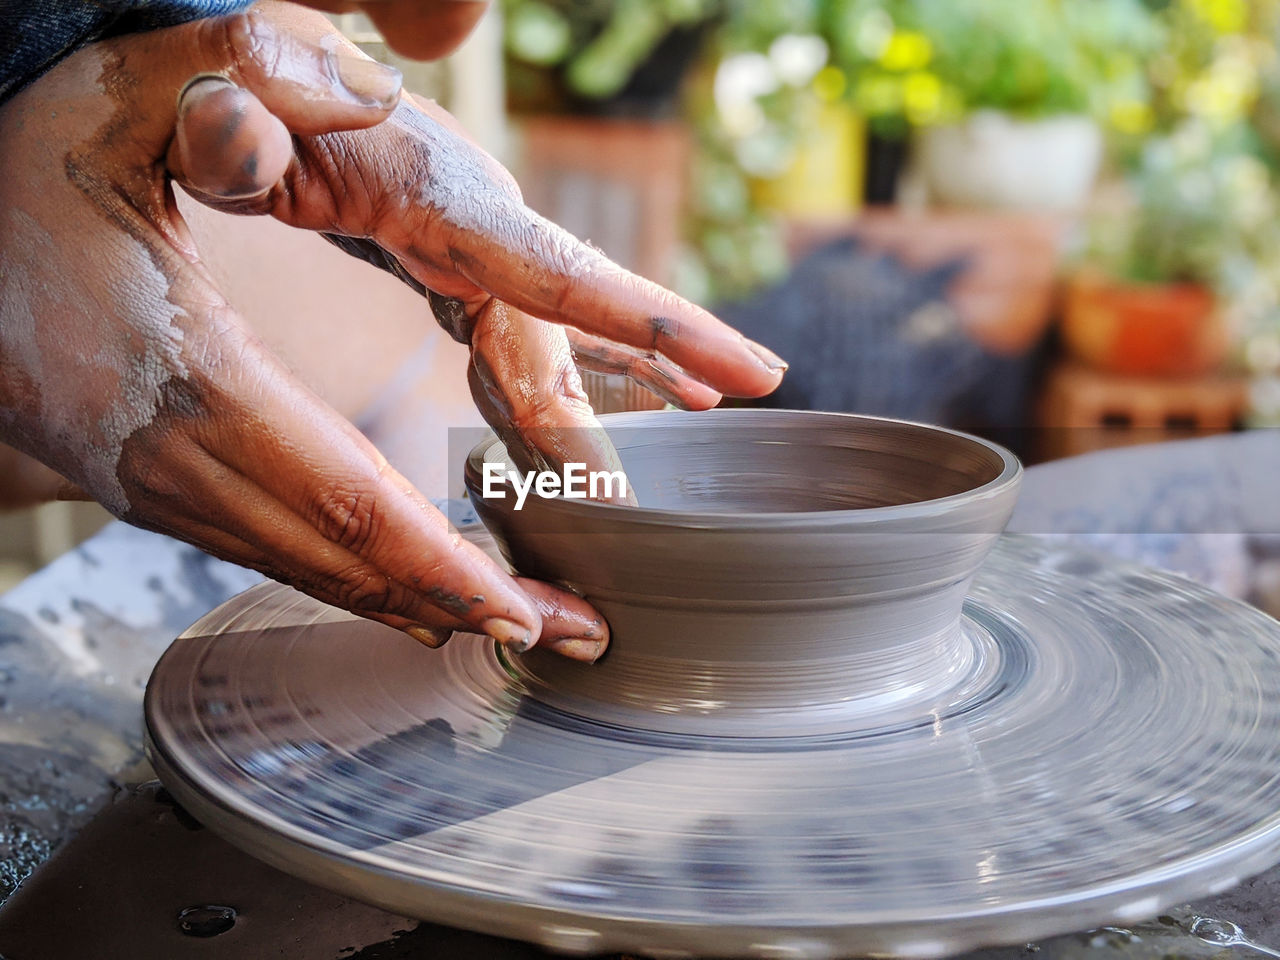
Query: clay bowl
(786, 573)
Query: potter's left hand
(124, 369)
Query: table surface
(79, 638)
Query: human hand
(124, 368)
(416, 197)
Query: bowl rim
(1006, 481)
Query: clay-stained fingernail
(576, 648)
(375, 83)
(770, 359)
(199, 87)
(433, 637)
(514, 636)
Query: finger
(232, 138)
(303, 70)
(648, 369)
(589, 352)
(296, 65)
(424, 29)
(419, 29)
(571, 627)
(227, 546)
(524, 382)
(499, 247)
(543, 270)
(517, 350)
(227, 145)
(243, 446)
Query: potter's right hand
(124, 368)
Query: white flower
(797, 57)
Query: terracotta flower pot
(1165, 330)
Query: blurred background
(1049, 221)
(1052, 222)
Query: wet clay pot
(785, 573)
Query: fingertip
(433, 637)
(771, 361)
(227, 144)
(370, 83)
(577, 648)
(516, 637)
(425, 31)
(488, 593)
(758, 372)
(698, 396)
(565, 617)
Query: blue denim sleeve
(36, 34)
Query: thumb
(226, 144)
(269, 80)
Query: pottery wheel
(1111, 747)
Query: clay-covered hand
(123, 367)
(415, 196)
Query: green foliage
(1203, 211)
(596, 44)
(915, 62)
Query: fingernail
(433, 637)
(767, 356)
(576, 648)
(373, 82)
(199, 87)
(510, 634)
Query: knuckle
(366, 591)
(565, 253)
(551, 410)
(146, 471)
(347, 517)
(249, 39)
(507, 183)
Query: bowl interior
(770, 461)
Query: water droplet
(1215, 931)
(1114, 937)
(206, 921)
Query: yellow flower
(906, 50)
(921, 97)
(1224, 16)
(830, 83)
(1225, 91)
(1131, 116)
(879, 95)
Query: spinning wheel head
(866, 762)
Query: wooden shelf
(1083, 409)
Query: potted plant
(1168, 281)
(602, 57)
(1003, 94)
